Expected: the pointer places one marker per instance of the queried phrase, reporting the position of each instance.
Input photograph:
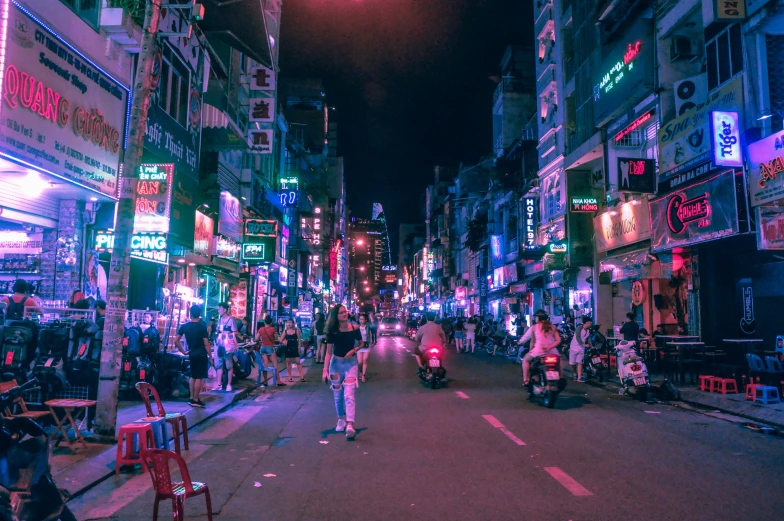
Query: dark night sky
(410, 82)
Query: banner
(627, 224)
(698, 213)
(153, 198)
(766, 169)
(686, 141)
(770, 222)
(230, 217)
(61, 112)
(202, 236)
(636, 175)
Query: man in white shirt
(581, 338)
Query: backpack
(132, 341)
(20, 340)
(151, 340)
(15, 310)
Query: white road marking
(492, 420)
(461, 394)
(568, 482)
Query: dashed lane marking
(461, 394)
(492, 420)
(568, 482)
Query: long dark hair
(333, 325)
(543, 318)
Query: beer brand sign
(62, 114)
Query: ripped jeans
(343, 379)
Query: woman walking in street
(470, 334)
(290, 338)
(265, 335)
(364, 353)
(459, 331)
(344, 340)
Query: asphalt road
(474, 450)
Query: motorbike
(547, 380)
(633, 372)
(411, 332)
(28, 491)
(598, 340)
(244, 360)
(434, 371)
(593, 366)
(506, 345)
(567, 333)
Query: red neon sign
(637, 167)
(20, 88)
(634, 125)
(631, 52)
(769, 170)
(681, 212)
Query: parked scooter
(25, 473)
(593, 365)
(547, 380)
(434, 371)
(507, 345)
(567, 333)
(633, 372)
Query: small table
(684, 348)
(68, 405)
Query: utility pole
(119, 267)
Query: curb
(703, 409)
(241, 395)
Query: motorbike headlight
(397, 327)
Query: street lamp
(360, 242)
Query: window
(174, 86)
(88, 10)
(724, 54)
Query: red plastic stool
(705, 382)
(131, 457)
(724, 386)
(751, 391)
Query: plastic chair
(755, 363)
(131, 457)
(767, 394)
(177, 420)
(774, 365)
(177, 491)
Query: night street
(475, 450)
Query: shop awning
(241, 24)
(630, 265)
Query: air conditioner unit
(682, 48)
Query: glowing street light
(360, 242)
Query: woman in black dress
(290, 338)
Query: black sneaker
(193, 403)
(201, 404)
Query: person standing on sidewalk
(341, 370)
(459, 333)
(225, 346)
(265, 336)
(198, 341)
(470, 334)
(291, 339)
(580, 340)
(321, 346)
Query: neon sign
(146, 246)
(288, 199)
(585, 204)
(558, 247)
(770, 169)
(153, 198)
(260, 228)
(530, 223)
(681, 212)
(616, 73)
(637, 123)
(725, 130)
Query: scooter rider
(429, 335)
(544, 339)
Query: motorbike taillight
(636, 367)
(433, 350)
(550, 359)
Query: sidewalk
(78, 471)
(772, 414)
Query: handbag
(279, 350)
